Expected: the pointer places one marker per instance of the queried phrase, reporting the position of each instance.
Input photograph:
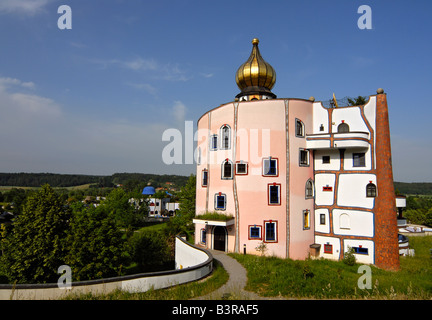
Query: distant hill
(414, 188)
(23, 179)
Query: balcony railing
(355, 139)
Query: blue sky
(96, 99)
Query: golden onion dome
(255, 75)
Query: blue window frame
(203, 236)
(220, 201)
(255, 232)
(360, 250)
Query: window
(371, 190)
(270, 167)
(309, 192)
(241, 167)
(227, 170)
(344, 221)
(299, 128)
(203, 236)
(328, 248)
(360, 250)
(325, 159)
(304, 157)
(306, 219)
(274, 194)
(359, 160)
(270, 231)
(204, 178)
(255, 232)
(343, 127)
(225, 137)
(322, 218)
(220, 201)
(214, 142)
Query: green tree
(182, 221)
(150, 250)
(95, 243)
(360, 100)
(35, 247)
(117, 203)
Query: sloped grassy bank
(325, 279)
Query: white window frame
(224, 135)
(264, 167)
(213, 144)
(246, 167)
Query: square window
(304, 157)
(274, 194)
(328, 248)
(255, 232)
(325, 159)
(270, 167)
(270, 231)
(220, 201)
(359, 160)
(241, 167)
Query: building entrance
(219, 238)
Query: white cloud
(41, 136)
(30, 7)
(144, 86)
(154, 69)
(179, 111)
(7, 82)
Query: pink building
(293, 175)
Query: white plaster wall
(351, 116)
(324, 198)
(335, 242)
(352, 190)
(361, 258)
(361, 223)
(324, 228)
(334, 159)
(320, 116)
(348, 162)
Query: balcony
(342, 140)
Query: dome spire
(255, 78)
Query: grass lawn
(325, 279)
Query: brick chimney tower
(386, 232)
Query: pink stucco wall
(261, 132)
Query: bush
(150, 250)
(349, 257)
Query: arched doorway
(219, 238)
